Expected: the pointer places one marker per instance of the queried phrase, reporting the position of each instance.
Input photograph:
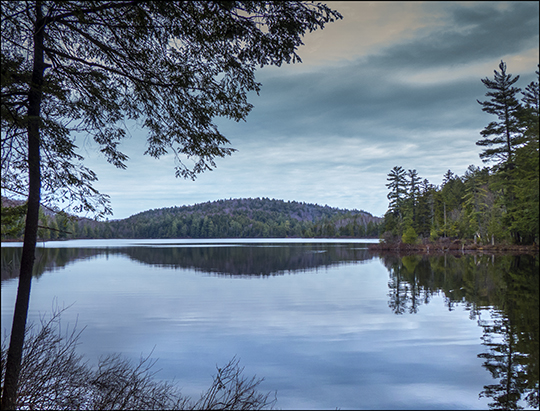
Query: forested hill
(233, 218)
(248, 217)
(255, 208)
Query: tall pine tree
(413, 193)
(398, 188)
(501, 137)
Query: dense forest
(233, 218)
(497, 204)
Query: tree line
(489, 204)
(232, 218)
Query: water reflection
(47, 259)
(502, 295)
(238, 261)
(235, 260)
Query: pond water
(325, 322)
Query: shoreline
(453, 247)
(431, 248)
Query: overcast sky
(393, 83)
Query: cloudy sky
(393, 83)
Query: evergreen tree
(526, 175)
(448, 176)
(413, 194)
(501, 137)
(531, 110)
(409, 236)
(425, 208)
(475, 200)
(398, 189)
(414, 185)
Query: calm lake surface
(325, 322)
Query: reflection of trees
(512, 338)
(260, 260)
(237, 260)
(465, 280)
(504, 362)
(507, 288)
(47, 259)
(409, 284)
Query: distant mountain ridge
(232, 218)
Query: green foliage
(13, 221)
(434, 234)
(52, 226)
(398, 188)
(235, 218)
(409, 236)
(526, 174)
(489, 205)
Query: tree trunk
(14, 357)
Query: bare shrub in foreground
(232, 391)
(54, 376)
(118, 385)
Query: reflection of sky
(323, 339)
